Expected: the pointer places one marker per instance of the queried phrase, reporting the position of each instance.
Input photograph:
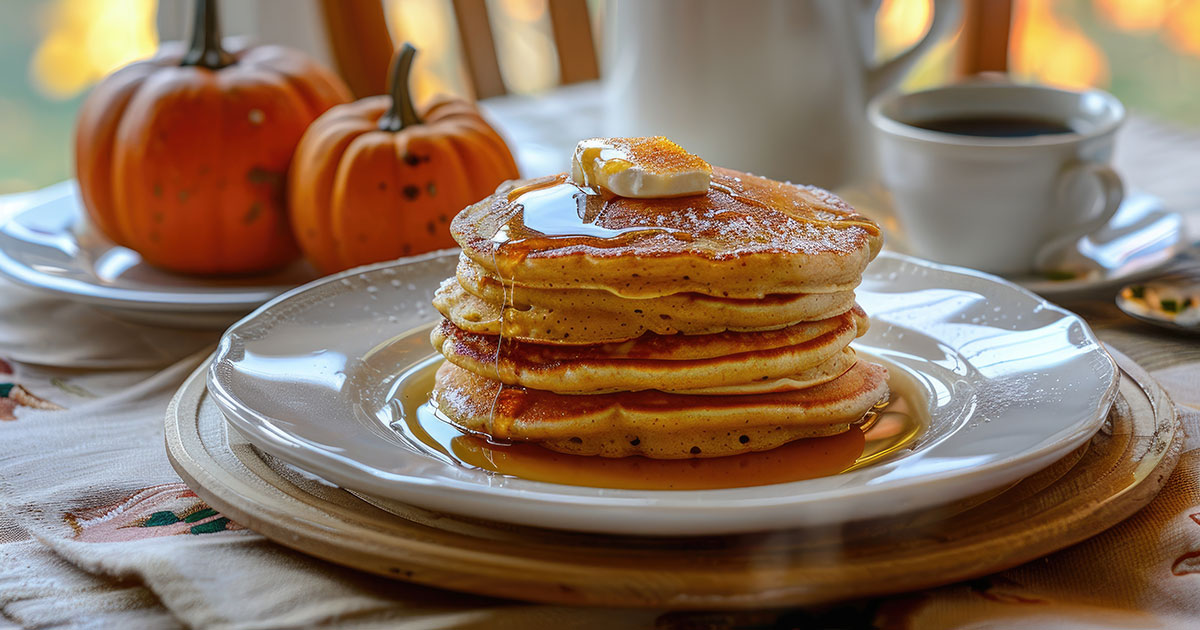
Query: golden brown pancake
(586, 316)
(830, 369)
(700, 325)
(746, 237)
(652, 423)
(663, 362)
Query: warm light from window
(524, 10)
(524, 47)
(1047, 49)
(428, 25)
(87, 39)
(1183, 27)
(900, 23)
(1133, 15)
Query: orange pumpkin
(183, 157)
(373, 180)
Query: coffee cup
(998, 176)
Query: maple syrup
(559, 212)
(890, 427)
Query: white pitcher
(773, 87)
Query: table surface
(96, 528)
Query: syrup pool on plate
(892, 426)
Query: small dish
(50, 247)
(1171, 302)
(308, 378)
(1141, 238)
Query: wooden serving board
(1095, 487)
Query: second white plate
(50, 247)
(1012, 382)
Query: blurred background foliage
(1147, 52)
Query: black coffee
(995, 126)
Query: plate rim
(233, 300)
(261, 430)
(413, 559)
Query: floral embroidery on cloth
(13, 395)
(164, 510)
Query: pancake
(824, 372)
(746, 237)
(584, 316)
(663, 362)
(652, 423)
(592, 326)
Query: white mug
(1006, 205)
(773, 87)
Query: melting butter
(642, 168)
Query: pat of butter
(639, 167)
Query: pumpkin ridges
(446, 170)
(95, 143)
(258, 106)
(392, 191)
(485, 166)
(505, 167)
(370, 108)
(169, 168)
(368, 157)
(312, 188)
(319, 88)
(188, 211)
(144, 173)
(466, 119)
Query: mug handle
(1112, 192)
(886, 75)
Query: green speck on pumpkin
(158, 519)
(431, 188)
(411, 192)
(158, 190)
(253, 213)
(1170, 305)
(260, 175)
(183, 195)
(1138, 292)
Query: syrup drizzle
(892, 426)
(541, 217)
(558, 212)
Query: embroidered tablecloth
(97, 530)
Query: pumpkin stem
(401, 113)
(205, 49)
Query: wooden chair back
(362, 47)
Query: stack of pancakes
(695, 326)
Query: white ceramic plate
(49, 247)
(1141, 238)
(1013, 383)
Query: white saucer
(1013, 383)
(50, 247)
(1141, 238)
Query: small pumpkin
(183, 157)
(374, 180)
